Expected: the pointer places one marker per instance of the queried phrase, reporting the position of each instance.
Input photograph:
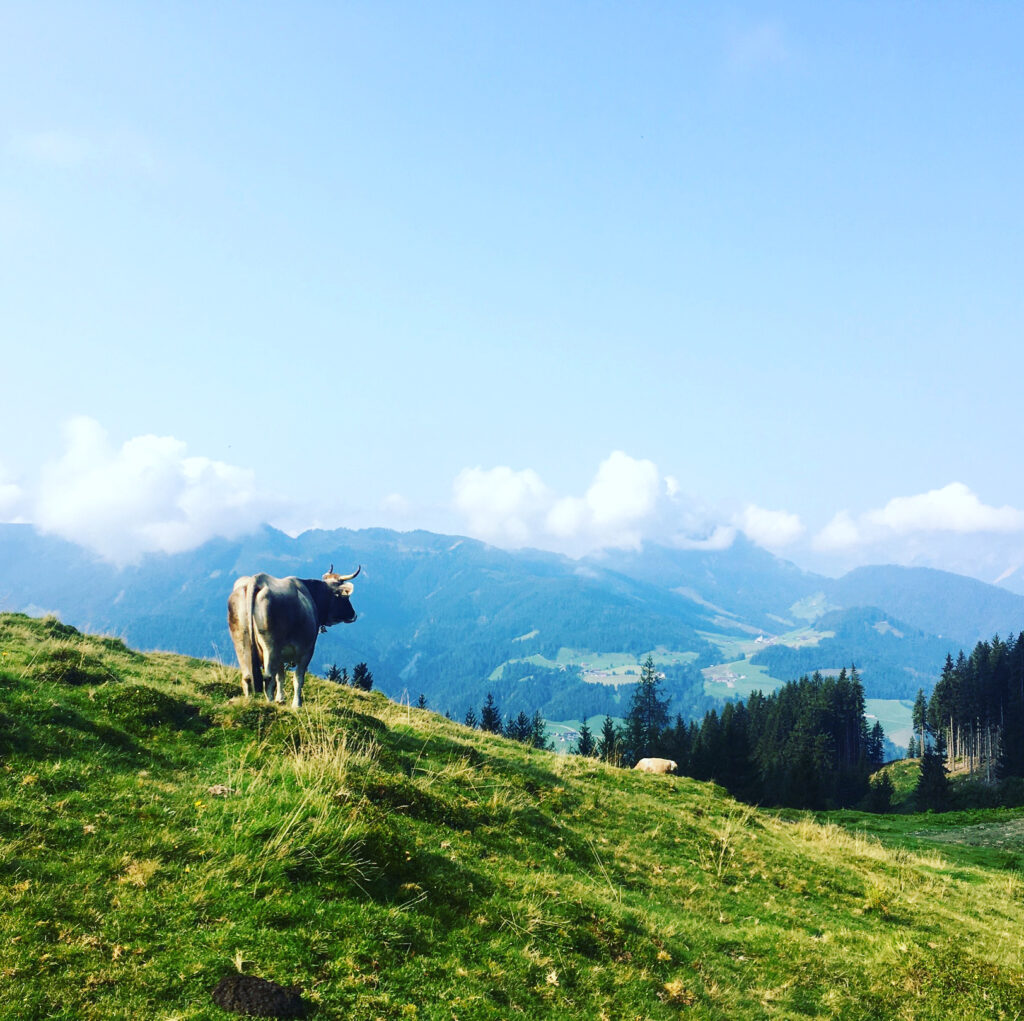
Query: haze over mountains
(453, 617)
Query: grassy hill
(158, 832)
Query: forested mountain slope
(452, 618)
(962, 611)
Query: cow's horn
(347, 577)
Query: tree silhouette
(932, 789)
(490, 718)
(586, 745)
(361, 677)
(647, 717)
(609, 745)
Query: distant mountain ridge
(441, 614)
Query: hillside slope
(158, 832)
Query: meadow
(158, 831)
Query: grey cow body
(274, 623)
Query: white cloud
(567, 517)
(501, 505)
(951, 509)
(624, 491)
(11, 497)
(954, 508)
(623, 497)
(768, 528)
(145, 496)
(840, 533)
(626, 501)
(395, 505)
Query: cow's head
(339, 610)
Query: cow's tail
(255, 664)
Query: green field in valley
(737, 680)
(735, 647)
(603, 667)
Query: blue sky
(553, 274)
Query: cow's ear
(346, 589)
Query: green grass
(733, 647)
(158, 831)
(738, 679)
(602, 667)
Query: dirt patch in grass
(1007, 836)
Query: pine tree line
(976, 712)
(361, 676)
(805, 745)
(529, 730)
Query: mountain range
(453, 618)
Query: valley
(451, 618)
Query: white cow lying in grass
(656, 766)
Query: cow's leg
(300, 677)
(280, 676)
(273, 677)
(238, 625)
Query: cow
(656, 766)
(274, 623)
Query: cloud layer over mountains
(146, 495)
(149, 494)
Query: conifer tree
(647, 717)
(471, 720)
(519, 729)
(609, 744)
(490, 718)
(361, 677)
(876, 744)
(538, 731)
(586, 745)
(677, 742)
(932, 791)
(919, 716)
(879, 798)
